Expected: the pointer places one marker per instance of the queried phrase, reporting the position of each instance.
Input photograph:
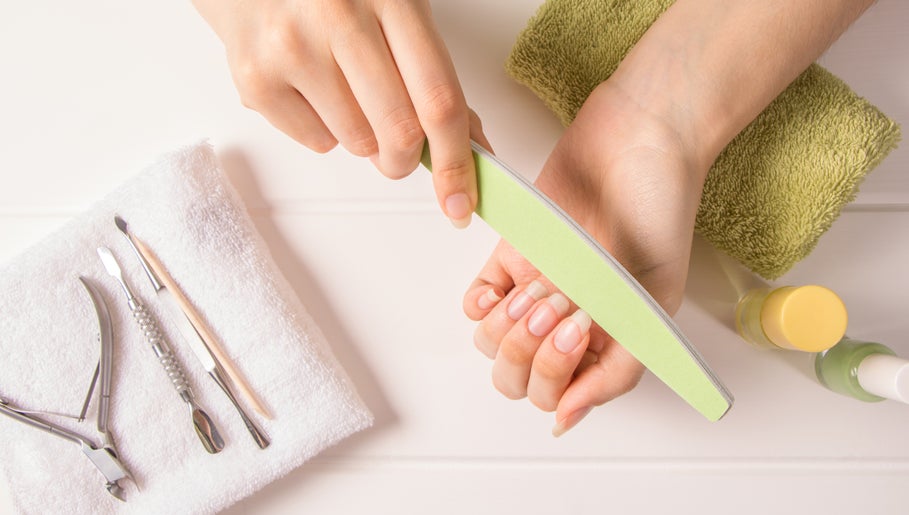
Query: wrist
(709, 67)
(667, 75)
(616, 124)
(664, 93)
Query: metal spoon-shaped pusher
(205, 428)
(192, 338)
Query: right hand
(373, 75)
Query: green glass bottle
(866, 371)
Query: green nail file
(582, 269)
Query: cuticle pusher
(190, 335)
(208, 434)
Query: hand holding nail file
(534, 225)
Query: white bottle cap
(885, 376)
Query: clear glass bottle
(806, 318)
(866, 371)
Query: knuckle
(508, 390)
(322, 144)
(484, 342)
(283, 39)
(404, 131)
(514, 352)
(549, 370)
(628, 383)
(362, 141)
(613, 380)
(444, 104)
(456, 170)
(252, 83)
(483, 348)
(393, 172)
(625, 378)
(258, 70)
(544, 403)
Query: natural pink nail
(522, 302)
(572, 332)
(488, 299)
(457, 207)
(545, 318)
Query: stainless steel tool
(196, 343)
(104, 455)
(204, 427)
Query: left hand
(625, 175)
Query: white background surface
(92, 91)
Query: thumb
(615, 373)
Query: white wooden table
(92, 91)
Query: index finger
(432, 83)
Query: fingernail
(457, 207)
(570, 421)
(524, 300)
(545, 318)
(488, 299)
(572, 332)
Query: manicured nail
(488, 299)
(572, 332)
(545, 318)
(457, 207)
(570, 421)
(525, 300)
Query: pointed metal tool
(191, 336)
(208, 434)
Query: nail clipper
(103, 456)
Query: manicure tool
(166, 290)
(535, 225)
(103, 456)
(204, 427)
(233, 376)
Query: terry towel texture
(184, 209)
(777, 186)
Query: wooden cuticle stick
(202, 328)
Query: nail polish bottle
(867, 371)
(805, 318)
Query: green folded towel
(778, 185)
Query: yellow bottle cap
(807, 318)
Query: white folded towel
(187, 213)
